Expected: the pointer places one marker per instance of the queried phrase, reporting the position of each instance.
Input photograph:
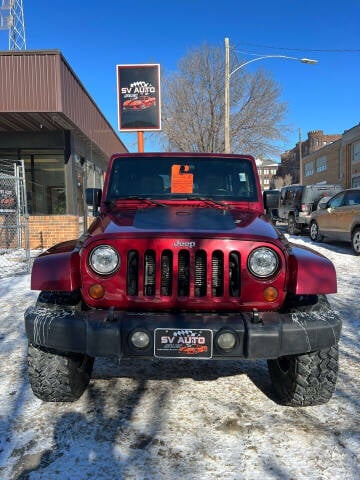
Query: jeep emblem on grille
(178, 243)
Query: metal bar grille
(184, 273)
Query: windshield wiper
(148, 200)
(209, 201)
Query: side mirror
(93, 198)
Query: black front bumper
(102, 333)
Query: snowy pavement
(160, 420)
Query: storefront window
(45, 182)
(94, 176)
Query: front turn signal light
(270, 294)
(96, 291)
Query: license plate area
(183, 343)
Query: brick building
(290, 160)
(338, 162)
(48, 120)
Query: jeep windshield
(220, 179)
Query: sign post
(140, 136)
(139, 99)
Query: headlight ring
(263, 262)
(104, 260)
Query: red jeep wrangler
(181, 263)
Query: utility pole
(228, 74)
(300, 159)
(227, 97)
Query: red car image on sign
(139, 103)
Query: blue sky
(96, 36)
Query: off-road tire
(58, 378)
(292, 226)
(355, 241)
(55, 376)
(307, 379)
(314, 232)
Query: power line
(319, 50)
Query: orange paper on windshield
(181, 180)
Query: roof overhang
(39, 92)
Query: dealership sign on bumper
(139, 99)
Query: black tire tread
(310, 379)
(58, 378)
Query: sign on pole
(139, 101)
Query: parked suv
(297, 202)
(181, 263)
(338, 219)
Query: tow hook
(255, 316)
(111, 315)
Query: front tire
(307, 379)
(55, 376)
(58, 378)
(355, 241)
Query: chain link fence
(14, 230)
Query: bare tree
(280, 182)
(193, 107)
(288, 179)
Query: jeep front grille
(183, 273)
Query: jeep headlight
(104, 260)
(263, 262)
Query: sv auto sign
(139, 106)
(183, 343)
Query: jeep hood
(155, 221)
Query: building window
(45, 182)
(355, 182)
(266, 181)
(266, 172)
(355, 152)
(321, 164)
(309, 169)
(94, 176)
(273, 171)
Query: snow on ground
(13, 262)
(160, 420)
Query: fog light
(140, 339)
(226, 340)
(270, 294)
(96, 291)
